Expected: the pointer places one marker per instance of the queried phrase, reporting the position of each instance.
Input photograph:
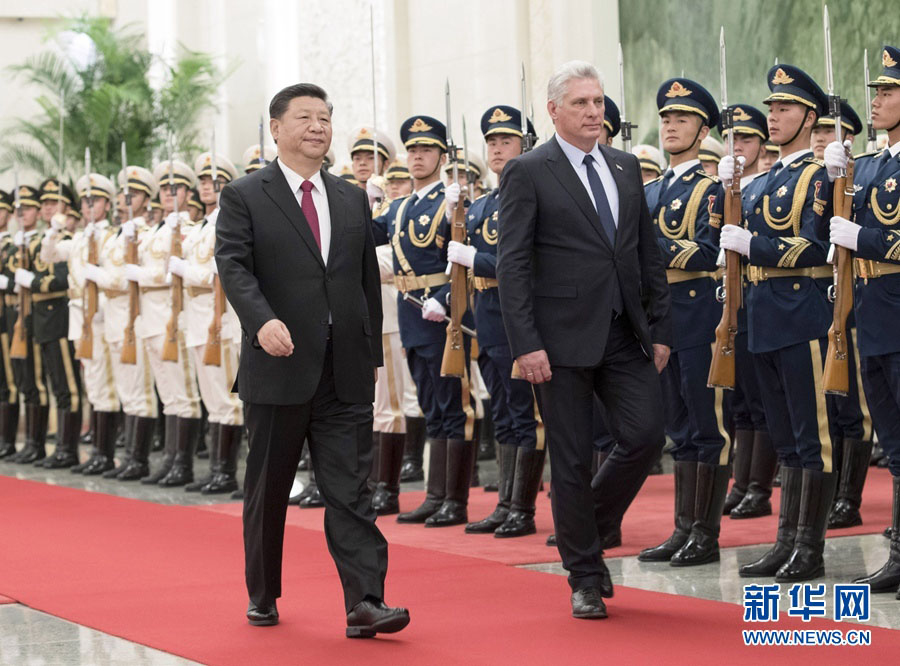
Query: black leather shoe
(262, 616)
(368, 618)
(551, 540)
(606, 585)
(613, 539)
(587, 604)
(753, 505)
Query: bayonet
(214, 171)
(262, 150)
(870, 129)
(451, 147)
(626, 126)
(727, 115)
(834, 101)
(374, 96)
(527, 138)
(470, 186)
(62, 114)
(127, 186)
(173, 190)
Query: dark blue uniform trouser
(512, 400)
(881, 383)
(694, 418)
(848, 416)
(744, 405)
(791, 379)
(445, 401)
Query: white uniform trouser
(215, 385)
(176, 381)
(98, 379)
(134, 383)
(395, 392)
(477, 388)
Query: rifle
(527, 137)
(86, 345)
(129, 344)
(721, 367)
(19, 346)
(454, 362)
(836, 376)
(212, 355)
(170, 346)
(624, 124)
(420, 304)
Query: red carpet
(648, 522)
(6, 600)
(171, 577)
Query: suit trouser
(881, 383)
(628, 386)
(848, 416)
(445, 401)
(58, 357)
(512, 400)
(99, 381)
(134, 382)
(603, 440)
(30, 375)
(339, 435)
(176, 381)
(792, 394)
(215, 383)
(694, 418)
(8, 391)
(393, 377)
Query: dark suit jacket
(555, 264)
(270, 267)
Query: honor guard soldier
(96, 192)
(711, 152)
(328, 162)
(754, 457)
(652, 163)
(612, 121)
(130, 369)
(788, 316)
(399, 182)
(769, 157)
(417, 229)
(875, 241)
(27, 367)
(521, 447)
(687, 205)
(195, 207)
(254, 158)
(9, 396)
(49, 284)
(155, 212)
(216, 375)
(362, 153)
(823, 132)
(175, 380)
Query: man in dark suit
(296, 258)
(586, 307)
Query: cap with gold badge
(747, 120)
(849, 119)
(612, 120)
(890, 61)
(711, 150)
(182, 174)
(792, 85)
(398, 170)
(51, 191)
(6, 201)
(194, 200)
(224, 168)
(423, 131)
(475, 170)
(95, 185)
(29, 196)
(503, 119)
(347, 174)
(649, 157)
(253, 159)
(689, 96)
(363, 138)
(139, 179)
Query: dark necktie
(607, 222)
(773, 172)
(309, 210)
(668, 177)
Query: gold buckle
(754, 274)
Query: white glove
(89, 230)
(214, 266)
(96, 275)
(844, 232)
(128, 229)
(58, 222)
(836, 158)
(133, 272)
(24, 278)
(727, 168)
(172, 220)
(736, 238)
(4, 283)
(374, 192)
(20, 238)
(462, 254)
(433, 310)
(178, 266)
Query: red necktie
(309, 210)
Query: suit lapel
(276, 187)
(562, 170)
(336, 210)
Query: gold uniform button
(692, 293)
(478, 231)
(756, 233)
(402, 234)
(796, 286)
(777, 209)
(757, 211)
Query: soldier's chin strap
(691, 144)
(799, 129)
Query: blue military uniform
(686, 205)
(9, 398)
(418, 231)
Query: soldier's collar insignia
(677, 90)
(781, 77)
(887, 60)
(420, 126)
(740, 114)
(498, 116)
(434, 194)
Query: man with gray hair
(586, 308)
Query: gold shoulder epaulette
(813, 160)
(655, 180)
(712, 177)
(868, 154)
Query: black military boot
(460, 460)
(140, 431)
(486, 443)
(507, 467)
(68, 432)
(182, 471)
(127, 431)
(757, 500)
(788, 517)
(702, 545)
(387, 496)
(887, 578)
(104, 442)
(80, 467)
(225, 478)
(213, 451)
(854, 468)
(435, 488)
(170, 441)
(311, 497)
(743, 454)
(806, 561)
(526, 485)
(9, 426)
(35, 435)
(685, 499)
(414, 449)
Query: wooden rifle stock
(836, 376)
(170, 346)
(721, 367)
(454, 361)
(85, 349)
(213, 353)
(129, 344)
(19, 346)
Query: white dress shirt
(793, 157)
(681, 169)
(893, 149)
(425, 191)
(575, 156)
(320, 200)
